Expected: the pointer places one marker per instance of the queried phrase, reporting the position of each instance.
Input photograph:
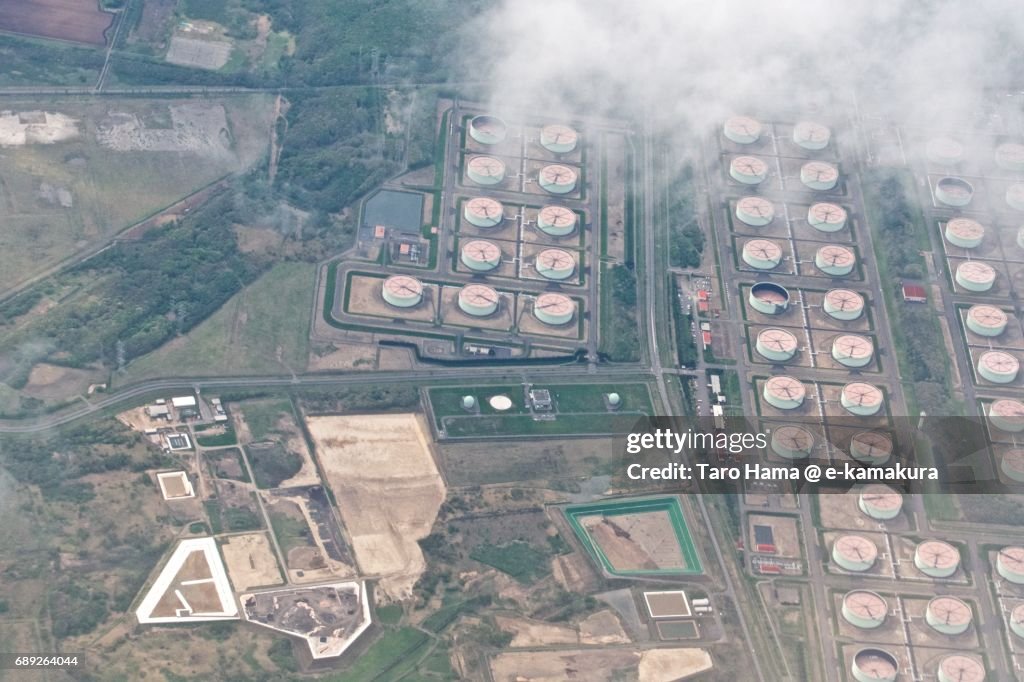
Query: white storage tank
(748, 170)
(1012, 464)
(755, 211)
(835, 260)
(402, 291)
(777, 345)
(557, 179)
(614, 400)
(854, 553)
(853, 350)
(1010, 156)
(555, 264)
(1007, 415)
(762, 254)
(1010, 564)
(554, 309)
(948, 615)
(485, 170)
(965, 233)
(480, 255)
(871, 447)
(961, 668)
(880, 502)
(500, 403)
(1017, 620)
(487, 129)
(1015, 196)
(945, 151)
(986, 320)
(974, 275)
(811, 135)
(792, 442)
(478, 300)
(826, 217)
(843, 304)
(484, 212)
(743, 129)
(936, 559)
(769, 298)
(998, 367)
(861, 399)
(819, 175)
(864, 609)
(874, 665)
(784, 392)
(953, 191)
(468, 403)
(558, 138)
(557, 221)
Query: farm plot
(79, 21)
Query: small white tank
(998, 367)
(953, 191)
(819, 175)
(1010, 156)
(861, 399)
(402, 291)
(835, 260)
(1007, 415)
(811, 135)
(936, 559)
(748, 170)
(762, 254)
(986, 320)
(755, 211)
(485, 170)
(483, 212)
(554, 309)
(487, 129)
(784, 392)
(478, 300)
(557, 221)
(853, 350)
(555, 264)
(945, 151)
(557, 179)
(854, 553)
(948, 615)
(559, 139)
(880, 502)
(965, 233)
(843, 304)
(826, 217)
(769, 298)
(777, 345)
(792, 442)
(742, 129)
(974, 275)
(1015, 196)
(1012, 464)
(480, 255)
(873, 448)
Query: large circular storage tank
(861, 399)
(974, 275)
(874, 665)
(864, 609)
(480, 255)
(826, 217)
(792, 442)
(948, 615)
(484, 211)
(487, 129)
(777, 345)
(1015, 196)
(769, 298)
(954, 191)
(998, 367)
(880, 502)
(1010, 564)
(555, 264)
(557, 179)
(854, 553)
(1020, 237)
(755, 211)
(402, 291)
(485, 170)
(501, 403)
(478, 300)
(784, 392)
(811, 135)
(1007, 415)
(1010, 156)
(871, 447)
(819, 175)
(835, 260)
(762, 254)
(853, 350)
(743, 129)
(945, 151)
(843, 304)
(936, 559)
(1012, 464)
(554, 309)
(965, 233)
(557, 221)
(986, 320)
(1017, 620)
(558, 138)
(748, 170)
(961, 668)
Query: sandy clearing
(294, 442)
(388, 488)
(36, 127)
(344, 356)
(533, 633)
(250, 562)
(667, 665)
(602, 627)
(557, 666)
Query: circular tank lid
(956, 187)
(500, 403)
(856, 548)
(949, 611)
(965, 228)
(945, 148)
(999, 362)
(483, 251)
(1010, 154)
(485, 207)
(750, 165)
(834, 255)
(819, 171)
(403, 285)
(744, 126)
(1013, 459)
(769, 292)
(557, 174)
(763, 249)
(1007, 409)
(557, 216)
(876, 663)
(556, 259)
(873, 443)
(486, 123)
(961, 668)
(811, 132)
(859, 393)
(785, 388)
(825, 212)
(866, 604)
(559, 134)
(937, 554)
(987, 316)
(478, 295)
(756, 206)
(554, 304)
(1015, 192)
(854, 346)
(778, 340)
(844, 300)
(1012, 558)
(793, 437)
(487, 166)
(1017, 615)
(976, 271)
(882, 497)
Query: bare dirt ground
(250, 561)
(602, 627)
(54, 382)
(572, 571)
(289, 434)
(668, 665)
(636, 541)
(80, 21)
(552, 666)
(18, 129)
(342, 356)
(532, 633)
(388, 488)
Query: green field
(389, 658)
(634, 506)
(262, 330)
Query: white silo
(748, 170)
(986, 320)
(975, 275)
(614, 400)
(945, 151)
(558, 138)
(965, 233)
(835, 260)
(743, 129)
(792, 442)
(998, 367)
(948, 615)
(554, 309)
(826, 217)
(755, 211)
(762, 254)
(961, 668)
(861, 399)
(1010, 156)
(843, 304)
(1012, 464)
(555, 264)
(484, 211)
(853, 350)
(1017, 620)
(557, 179)
(402, 291)
(1010, 564)
(953, 191)
(468, 403)
(936, 558)
(854, 553)
(880, 502)
(480, 255)
(871, 447)
(1007, 415)
(487, 129)
(819, 175)
(557, 221)
(769, 298)
(811, 135)
(478, 300)
(777, 345)
(1015, 196)
(864, 609)
(874, 665)
(485, 170)
(784, 392)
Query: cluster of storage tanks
(788, 393)
(487, 170)
(555, 221)
(752, 170)
(833, 260)
(955, 191)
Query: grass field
(262, 330)
(389, 658)
(262, 416)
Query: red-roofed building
(914, 293)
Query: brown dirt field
(79, 21)
(533, 633)
(662, 605)
(250, 562)
(602, 627)
(294, 442)
(667, 665)
(174, 486)
(343, 356)
(51, 381)
(202, 597)
(551, 666)
(388, 488)
(572, 571)
(636, 541)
